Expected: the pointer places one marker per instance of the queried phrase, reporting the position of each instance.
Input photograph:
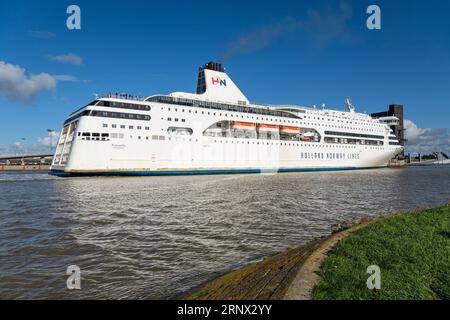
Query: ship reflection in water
(154, 237)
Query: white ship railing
(123, 96)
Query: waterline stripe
(199, 172)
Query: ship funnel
(201, 81)
(214, 84)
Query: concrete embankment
(24, 168)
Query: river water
(154, 237)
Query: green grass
(411, 249)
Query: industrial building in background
(394, 118)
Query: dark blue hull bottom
(195, 172)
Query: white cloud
(69, 58)
(50, 140)
(17, 86)
(426, 140)
(65, 77)
(68, 78)
(325, 27)
(43, 145)
(259, 38)
(320, 28)
(47, 35)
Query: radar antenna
(350, 106)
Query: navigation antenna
(350, 106)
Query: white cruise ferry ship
(217, 130)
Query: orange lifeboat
(303, 138)
(242, 125)
(289, 129)
(267, 127)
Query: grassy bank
(411, 249)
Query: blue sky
(299, 52)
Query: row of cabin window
(353, 141)
(352, 134)
(121, 136)
(122, 126)
(312, 144)
(94, 136)
(120, 115)
(105, 136)
(107, 114)
(176, 119)
(237, 116)
(341, 127)
(364, 123)
(123, 105)
(370, 124)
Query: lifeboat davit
(306, 136)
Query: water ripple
(153, 237)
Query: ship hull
(179, 140)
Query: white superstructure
(216, 130)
